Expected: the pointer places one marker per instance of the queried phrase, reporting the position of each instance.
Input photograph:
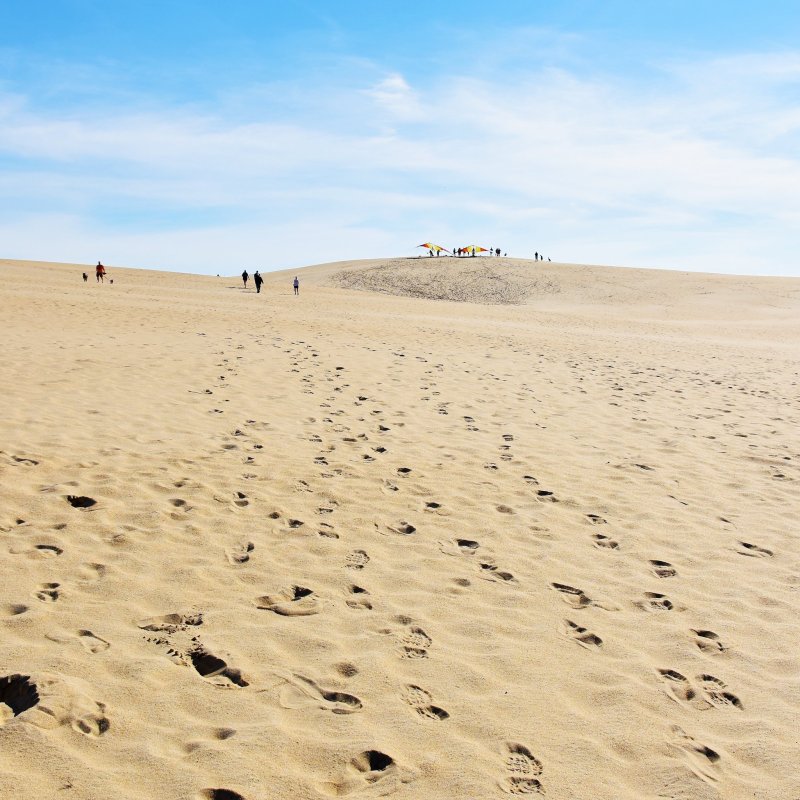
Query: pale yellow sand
(358, 544)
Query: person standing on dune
(258, 280)
(100, 273)
(296, 285)
(245, 276)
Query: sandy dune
(364, 543)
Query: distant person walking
(245, 276)
(296, 285)
(497, 252)
(535, 256)
(85, 277)
(100, 273)
(258, 280)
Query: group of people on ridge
(258, 280)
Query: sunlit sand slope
(363, 545)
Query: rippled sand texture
(356, 544)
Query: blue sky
(206, 137)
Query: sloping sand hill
(513, 281)
(363, 543)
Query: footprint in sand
(491, 572)
(94, 723)
(581, 635)
(753, 550)
(459, 547)
(241, 553)
(523, 770)
(679, 688)
(29, 461)
(572, 596)
(48, 550)
(359, 598)
(708, 641)
(662, 569)
(302, 692)
(701, 759)
(546, 496)
(327, 531)
(716, 692)
(357, 559)
(170, 623)
(421, 702)
(38, 551)
(48, 592)
(294, 601)
(653, 601)
(214, 669)
(414, 643)
(371, 771)
(80, 501)
(92, 643)
(14, 609)
(221, 794)
(60, 702)
(402, 527)
(92, 572)
(596, 519)
(601, 540)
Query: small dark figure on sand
(85, 277)
(296, 285)
(245, 276)
(258, 280)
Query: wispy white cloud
(694, 170)
(394, 95)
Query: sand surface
(542, 543)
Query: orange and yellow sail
(435, 247)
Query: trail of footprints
(522, 769)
